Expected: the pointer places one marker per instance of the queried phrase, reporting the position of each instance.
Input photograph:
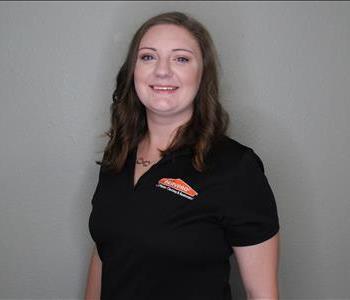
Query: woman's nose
(163, 68)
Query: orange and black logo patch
(177, 186)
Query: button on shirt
(170, 236)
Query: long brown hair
(209, 120)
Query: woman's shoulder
(227, 153)
(229, 148)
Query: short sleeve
(249, 213)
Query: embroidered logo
(177, 186)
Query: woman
(175, 195)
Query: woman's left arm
(258, 265)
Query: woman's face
(168, 57)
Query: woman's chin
(161, 110)
(162, 107)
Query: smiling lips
(164, 89)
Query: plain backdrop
(284, 80)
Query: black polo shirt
(170, 237)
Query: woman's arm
(93, 287)
(258, 265)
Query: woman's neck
(162, 130)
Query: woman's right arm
(93, 287)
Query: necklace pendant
(144, 163)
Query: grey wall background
(285, 82)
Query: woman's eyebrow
(177, 49)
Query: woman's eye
(143, 56)
(184, 59)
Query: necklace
(140, 160)
(143, 162)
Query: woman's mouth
(164, 89)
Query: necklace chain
(143, 162)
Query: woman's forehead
(169, 36)
(168, 33)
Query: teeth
(164, 88)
